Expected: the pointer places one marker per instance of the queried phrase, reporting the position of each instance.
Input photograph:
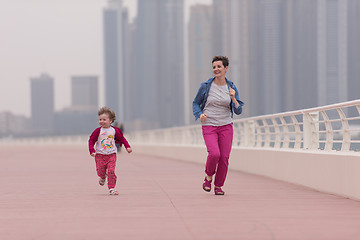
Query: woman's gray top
(217, 106)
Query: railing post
(346, 139)
(311, 130)
(249, 133)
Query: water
(336, 146)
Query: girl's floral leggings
(105, 166)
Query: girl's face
(104, 120)
(218, 69)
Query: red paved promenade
(52, 193)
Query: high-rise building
(160, 63)
(353, 50)
(267, 38)
(301, 88)
(148, 62)
(129, 68)
(235, 26)
(111, 58)
(199, 49)
(218, 30)
(84, 92)
(172, 73)
(241, 48)
(13, 125)
(114, 57)
(332, 54)
(42, 104)
(81, 117)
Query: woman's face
(218, 69)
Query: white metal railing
(332, 127)
(74, 140)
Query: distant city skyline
(279, 51)
(61, 38)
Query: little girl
(102, 147)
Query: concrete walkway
(53, 193)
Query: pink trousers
(105, 166)
(218, 142)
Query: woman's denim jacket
(202, 95)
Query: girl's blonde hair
(109, 112)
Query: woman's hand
(233, 99)
(129, 150)
(93, 154)
(232, 93)
(203, 117)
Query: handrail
(333, 127)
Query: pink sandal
(207, 185)
(219, 191)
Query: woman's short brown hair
(223, 59)
(109, 112)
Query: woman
(214, 104)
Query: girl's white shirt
(106, 141)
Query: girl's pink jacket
(119, 138)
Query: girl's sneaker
(102, 181)
(113, 192)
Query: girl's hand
(203, 117)
(129, 150)
(93, 154)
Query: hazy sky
(59, 37)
